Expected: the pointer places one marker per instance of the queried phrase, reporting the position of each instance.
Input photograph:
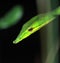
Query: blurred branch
(49, 34)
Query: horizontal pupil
(30, 29)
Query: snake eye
(30, 29)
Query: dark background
(27, 51)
